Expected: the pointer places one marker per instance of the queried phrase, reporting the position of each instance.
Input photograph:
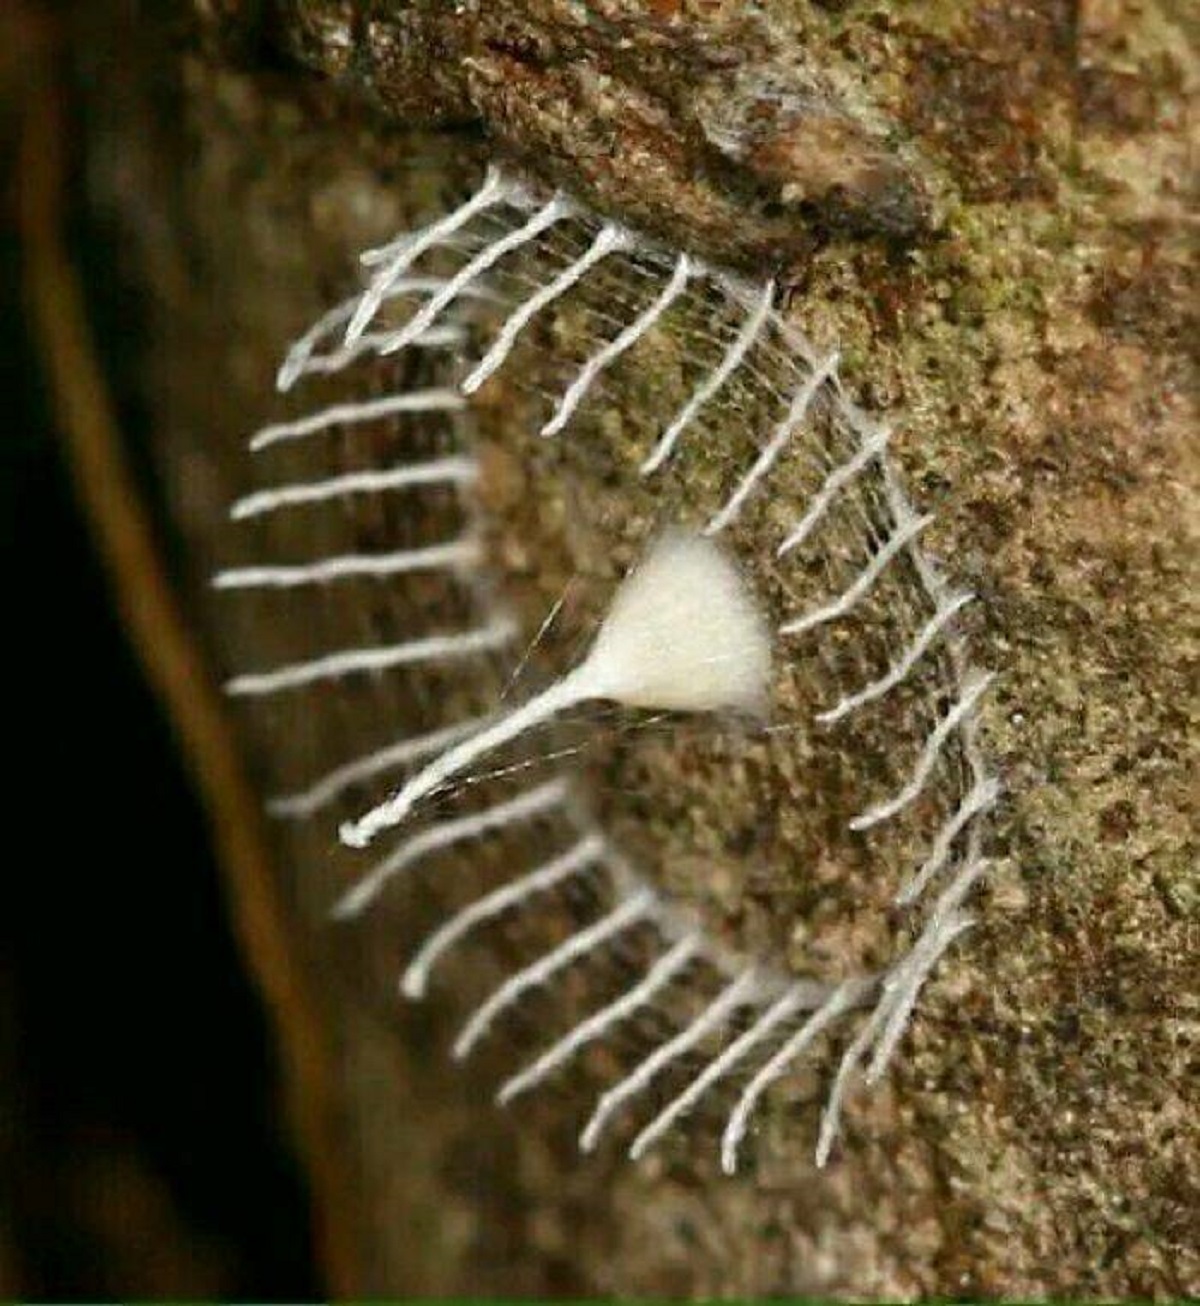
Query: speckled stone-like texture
(986, 205)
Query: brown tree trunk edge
(176, 670)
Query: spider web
(730, 421)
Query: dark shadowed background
(141, 1149)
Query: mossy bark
(986, 206)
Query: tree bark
(987, 206)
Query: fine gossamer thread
(644, 654)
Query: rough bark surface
(986, 205)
